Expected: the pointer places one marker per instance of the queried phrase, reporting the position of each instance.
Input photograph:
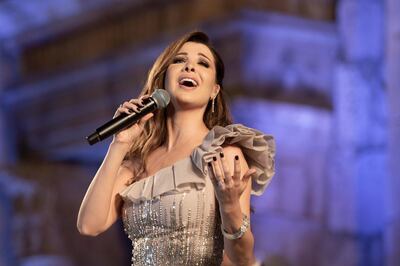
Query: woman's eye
(205, 64)
(178, 60)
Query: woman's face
(190, 78)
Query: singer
(181, 177)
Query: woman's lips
(190, 81)
(187, 87)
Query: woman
(180, 178)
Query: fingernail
(221, 154)
(215, 159)
(209, 164)
(236, 157)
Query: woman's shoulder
(128, 170)
(129, 165)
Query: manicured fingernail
(236, 157)
(221, 154)
(215, 159)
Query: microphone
(158, 99)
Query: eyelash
(204, 63)
(177, 60)
(181, 59)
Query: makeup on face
(193, 64)
(192, 70)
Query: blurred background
(322, 76)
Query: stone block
(360, 113)
(289, 53)
(361, 30)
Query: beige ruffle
(179, 177)
(189, 173)
(258, 150)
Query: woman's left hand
(228, 188)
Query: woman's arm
(101, 204)
(238, 251)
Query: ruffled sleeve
(258, 150)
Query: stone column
(392, 234)
(7, 157)
(358, 164)
(7, 131)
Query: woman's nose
(189, 67)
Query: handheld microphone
(158, 99)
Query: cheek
(168, 79)
(210, 80)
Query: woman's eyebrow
(184, 53)
(204, 56)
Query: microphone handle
(121, 122)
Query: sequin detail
(174, 229)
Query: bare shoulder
(127, 170)
(129, 165)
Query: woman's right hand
(126, 136)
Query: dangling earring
(212, 105)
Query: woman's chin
(188, 104)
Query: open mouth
(188, 82)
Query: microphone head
(161, 97)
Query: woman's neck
(185, 128)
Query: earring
(212, 105)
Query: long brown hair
(155, 130)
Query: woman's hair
(155, 130)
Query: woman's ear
(215, 91)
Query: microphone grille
(161, 97)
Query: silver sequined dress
(172, 216)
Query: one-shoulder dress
(172, 217)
